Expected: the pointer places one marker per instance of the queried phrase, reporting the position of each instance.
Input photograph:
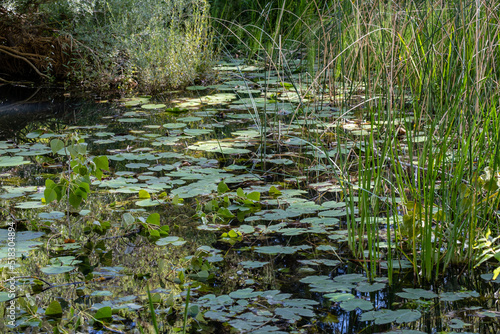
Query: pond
(217, 209)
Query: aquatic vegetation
(277, 200)
(109, 44)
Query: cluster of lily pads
(205, 152)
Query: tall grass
(429, 74)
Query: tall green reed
(427, 73)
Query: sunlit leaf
(54, 309)
(103, 313)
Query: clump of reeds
(428, 71)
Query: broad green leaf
(154, 233)
(416, 294)
(54, 309)
(253, 264)
(127, 219)
(29, 205)
(222, 188)
(75, 199)
(56, 145)
(4, 296)
(339, 297)
(254, 196)
(102, 162)
(365, 287)
(384, 316)
(496, 272)
(12, 161)
(225, 213)
(103, 313)
(352, 304)
(154, 219)
(274, 192)
(50, 193)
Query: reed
(425, 74)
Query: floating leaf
(131, 120)
(384, 316)
(153, 106)
(365, 287)
(253, 264)
(12, 161)
(30, 205)
(172, 240)
(280, 249)
(352, 304)
(174, 125)
(456, 296)
(416, 294)
(339, 297)
(57, 269)
(143, 194)
(149, 202)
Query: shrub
(154, 44)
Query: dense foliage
(98, 43)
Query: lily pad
(416, 294)
(12, 161)
(384, 316)
(253, 264)
(174, 125)
(153, 106)
(352, 304)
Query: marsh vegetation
(334, 169)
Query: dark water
(24, 111)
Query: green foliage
(153, 44)
(75, 184)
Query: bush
(151, 43)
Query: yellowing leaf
(143, 194)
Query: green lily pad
(352, 304)
(13, 161)
(456, 296)
(365, 287)
(30, 205)
(279, 249)
(253, 264)
(153, 106)
(384, 316)
(196, 88)
(416, 294)
(131, 120)
(57, 269)
(174, 125)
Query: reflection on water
(25, 109)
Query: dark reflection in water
(25, 109)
